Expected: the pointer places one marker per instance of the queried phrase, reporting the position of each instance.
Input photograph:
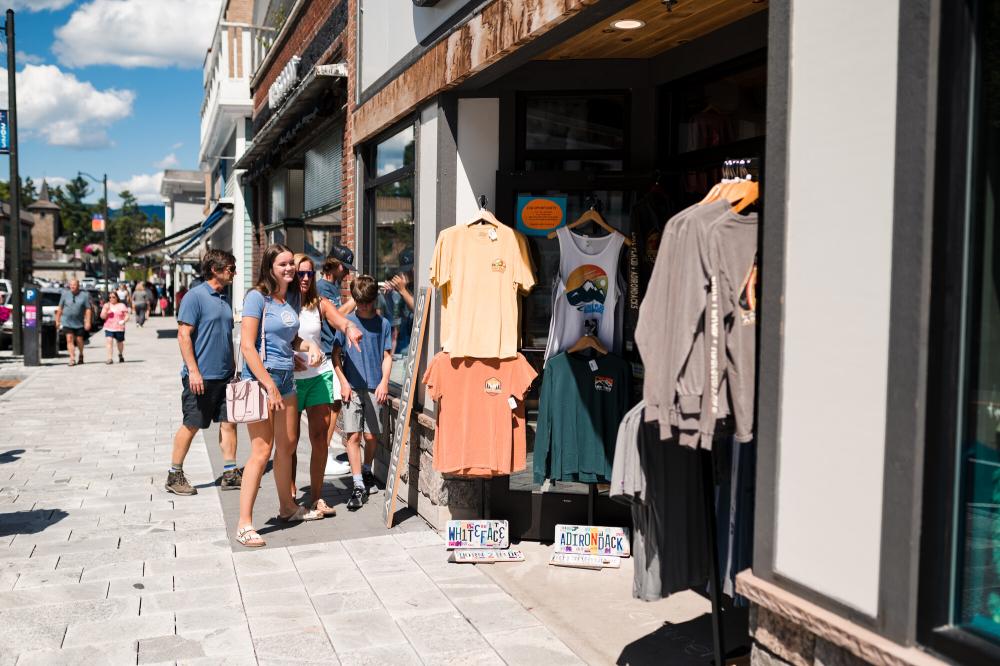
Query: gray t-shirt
(74, 308)
(141, 297)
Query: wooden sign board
(579, 561)
(478, 534)
(486, 556)
(401, 433)
(590, 540)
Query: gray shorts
(362, 413)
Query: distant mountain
(151, 211)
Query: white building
(236, 51)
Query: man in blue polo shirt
(205, 335)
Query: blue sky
(109, 86)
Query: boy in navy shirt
(364, 385)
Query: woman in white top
(317, 388)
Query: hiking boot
(178, 484)
(230, 479)
(358, 498)
(370, 484)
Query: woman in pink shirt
(115, 314)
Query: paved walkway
(99, 565)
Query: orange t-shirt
(480, 270)
(478, 434)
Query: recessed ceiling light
(627, 24)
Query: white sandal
(301, 514)
(247, 536)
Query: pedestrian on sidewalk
(271, 324)
(336, 268)
(364, 385)
(115, 314)
(205, 337)
(318, 393)
(141, 299)
(73, 316)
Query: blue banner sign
(4, 133)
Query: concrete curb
(11, 393)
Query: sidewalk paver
(98, 564)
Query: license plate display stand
(480, 542)
(589, 547)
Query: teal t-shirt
(579, 411)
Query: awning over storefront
(286, 119)
(220, 212)
(168, 241)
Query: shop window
(323, 188)
(390, 231)
(720, 110)
(573, 132)
(960, 577)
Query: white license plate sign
(478, 534)
(585, 561)
(590, 540)
(475, 556)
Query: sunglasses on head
(303, 274)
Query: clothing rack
(712, 543)
(732, 168)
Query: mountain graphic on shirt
(587, 288)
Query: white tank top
(310, 330)
(585, 296)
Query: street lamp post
(107, 222)
(15, 188)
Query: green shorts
(317, 390)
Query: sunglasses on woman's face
(303, 274)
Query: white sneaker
(336, 467)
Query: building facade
(238, 47)
(381, 123)
(297, 166)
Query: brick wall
(307, 25)
(239, 11)
(348, 231)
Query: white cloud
(169, 161)
(29, 58)
(177, 146)
(38, 5)
(53, 181)
(64, 111)
(146, 33)
(144, 186)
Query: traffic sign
(97, 222)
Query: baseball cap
(344, 255)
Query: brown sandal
(324, 508)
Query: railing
(230, 185)
(237, 50)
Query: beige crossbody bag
(246, 399)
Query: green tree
(75, 213)
(126, 232)
(29, 194)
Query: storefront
(295, 162)
(870, 134)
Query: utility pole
(15, 187)
(107, 222)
